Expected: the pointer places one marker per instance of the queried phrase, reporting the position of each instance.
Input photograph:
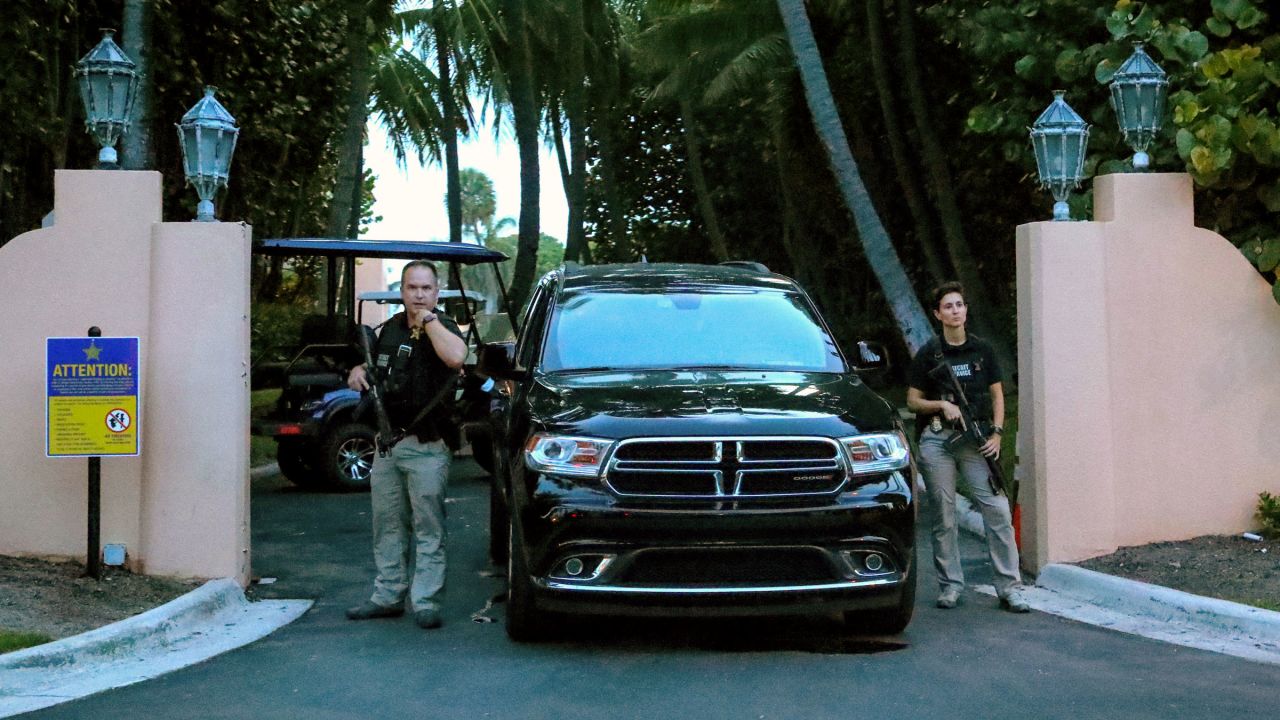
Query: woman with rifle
(948, 373)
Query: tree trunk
(908, 183)
(706, 209)
(524, 109)
(562, 160)
(881, 255)
(352, 140)
(449, 109)
(575, 106)
(935, 162)
(136, 151)
(617, 214)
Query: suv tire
(524, 622)
(499, 529)
(348, 456)
(481, 449)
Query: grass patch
(262, 450)
(12, 640)
(1264, 603)
(262, 402)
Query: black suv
(689, 438)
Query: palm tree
(880, 253)
(704, 52)
(479, 203)
(136, 150)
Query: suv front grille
(739, 467)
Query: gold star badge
(92, 352)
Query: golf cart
(324, 431)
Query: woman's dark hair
(946, 289)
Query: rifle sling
(422, 414)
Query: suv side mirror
(872, 357)
(498, 361)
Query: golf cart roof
(384, 297)
(434, 250)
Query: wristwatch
(997, 429)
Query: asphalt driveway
(973, 662)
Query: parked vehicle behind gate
(690, 439)
(324, 431)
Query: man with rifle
(956, 393)
(410, 373)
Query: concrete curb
(261, 471)
(1139, 608)
(210, 620)
(1162, 604)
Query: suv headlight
(564, 455)
(876, 453)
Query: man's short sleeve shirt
(412, 374)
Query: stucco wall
(1147, 356)
(181, 508)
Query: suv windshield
(705, 327)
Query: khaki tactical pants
(940, 468)
(407, 490)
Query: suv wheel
(291, 456)
(348, 456)
(524, 622)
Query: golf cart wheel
(291, 456)
(348, 456)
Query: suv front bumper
(590, 551)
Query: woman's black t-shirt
(974, 364)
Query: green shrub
(1269, 514)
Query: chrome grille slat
(746, 467)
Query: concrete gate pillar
(181, 508)
(1147, 360)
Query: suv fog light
(867, 563)
(581, 567)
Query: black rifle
(384, 439)
(972, 431)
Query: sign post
(91, 410)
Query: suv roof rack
(746, 264)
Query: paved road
(973, 662)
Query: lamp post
(108, 82)
(1138, 92)
(207, 136)
(1059, 138)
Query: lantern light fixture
(1138, 92)
(207, 136)
(1059, 138)
(108, 82)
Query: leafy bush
(1269, 514)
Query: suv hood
(621, 404)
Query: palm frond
(770, 54)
